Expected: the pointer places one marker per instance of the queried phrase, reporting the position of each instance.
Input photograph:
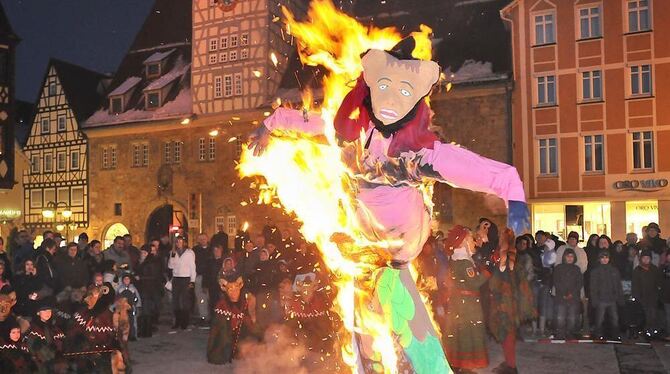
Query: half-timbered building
(57, 178)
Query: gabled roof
(164, 36)
(6, 31)
(23, 123)
(83, 87)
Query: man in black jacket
(71, 269)
(568, 282)
(44, 262)
(647, 282)
(606, 293)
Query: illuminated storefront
(639, 214)
(586, 218)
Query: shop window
(544, 29)
(639, 214)
(548, 156)
(643, 150)
(593, 153)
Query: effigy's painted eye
(383, 86)
(404, 92)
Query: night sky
(92, 33)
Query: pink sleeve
(293, 120)
(466, 169)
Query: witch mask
(232, 288)
(397, 85)
(7, 301)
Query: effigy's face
(396, 85)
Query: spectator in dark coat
(665, 293)
(94, 257)
(44, 262)
(30, 289)
(249, 263)
(606, 293)
(568, 283)
(4, 258)
(220, 238)
(71, 269)
(149, 283)
(653, 241)
(211, 276)
(24, 250)
(647, 281)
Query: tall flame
(311, 180)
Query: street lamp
(51, 212)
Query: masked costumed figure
(14, 354)
(511, 300)
(232, 322)
(464, 335)
(45, 340)
(92, 340)
(308, 315)
(397, 155)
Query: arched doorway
(117, 229)
(166, 220)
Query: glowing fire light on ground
(312, 181)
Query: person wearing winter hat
(568, 282)
(606, 294)
(647, 282)
(14, 354)
(464, 335)
(45, 340)
(581, 259)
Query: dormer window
(153, 70)
(152, 99)
(116, 104)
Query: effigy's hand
(259, 140)
(518, 217)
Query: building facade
(57, 179)
(8, 42)
(591, 112)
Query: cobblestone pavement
(184, 352)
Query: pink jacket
(396, 202)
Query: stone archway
(162, 219)
(114, 230)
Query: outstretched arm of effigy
(295, 120)
(466, 169)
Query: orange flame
(311, 180)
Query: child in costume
(45, 340)
(232, 322)
(465, 331)
(388, 104)
(308, 315)
(14, 354)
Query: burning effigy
(358, 175)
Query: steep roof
(6, 31)
(164, 36)
(83, 87)
(23, 115)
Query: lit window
(77, 196)
(233, 41)
(232, 225)
(35, 164)
(45, 128)
(232, 55)
(593, 153)
(202, 152)
(591, 85)
(548, 157)
(153, 100)
(643, 150)
(589, 22)
(36, 198)
(212, 59)
(177, 152)
(238, 84)
(213, 44)
(638, 15)
(223, 57)
(74, 160)
(218, 87)
(61, 161)
(136, 155)
(145, 154)
(546, 90)
(212, 148)
(61, 123)
(544, 29)
(116, 104)
(244, 54)
(244, 39)
(228, 85)
(48, 163)
(224, 42)
(640, 80)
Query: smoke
(278, 353)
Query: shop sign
(642, 185)
(9, 213)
